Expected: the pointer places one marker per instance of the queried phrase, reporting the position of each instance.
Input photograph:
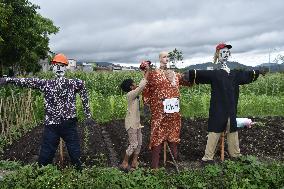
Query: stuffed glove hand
(145, 65)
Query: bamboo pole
(61, 156)
(222, 145)
(174, 161)
(1, 119)
(165, 153)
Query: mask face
(164, 59)
(59, 70)
(224, 54)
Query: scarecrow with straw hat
(224, 100)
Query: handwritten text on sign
(171, 105)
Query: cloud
(130, 30)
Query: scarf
(170, 75)
(225, 67)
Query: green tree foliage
(5, 11)
(25, 35)
(175, 56)
(279, 59)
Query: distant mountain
(266, 64)
(273, 67)
(210, 65)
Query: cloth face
(59, 70)
(224, 54)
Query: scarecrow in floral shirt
(60, 110)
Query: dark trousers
(51, 136)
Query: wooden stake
(222, 146)
(165, 153)
(61, 152)
(174, 161)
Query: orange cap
(60, 58)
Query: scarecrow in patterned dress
(224, 100)
(60, 110)
(162, 95)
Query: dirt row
(105, 144)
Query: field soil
(105, 144)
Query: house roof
(104, 64)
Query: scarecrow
(132, 118)
(224, 100)
(60, 110)
(162, 95)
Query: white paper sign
(171, 105)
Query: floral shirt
(59, 96)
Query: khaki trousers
(135, 141)
(212, 141)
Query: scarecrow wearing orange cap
(224, 100)
(60, 110)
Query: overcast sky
(127, 31)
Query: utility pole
(269, 55)
(269, 60)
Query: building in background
(87, 67)
(129, 68)
(104, 66)
(72, 65)
(117, 68)
(210, 68)
(45, 63)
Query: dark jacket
(224, 94)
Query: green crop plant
(23, 108)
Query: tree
(279, 59)
(94, 66)
(174, 57)
(4, 12)
(25, 35)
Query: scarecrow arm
(246, 77)
(200, 76)
(84, 96)
(34, 83)
(134, 93)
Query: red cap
(222, 46)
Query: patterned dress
(163, 84)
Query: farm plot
(105, 144)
